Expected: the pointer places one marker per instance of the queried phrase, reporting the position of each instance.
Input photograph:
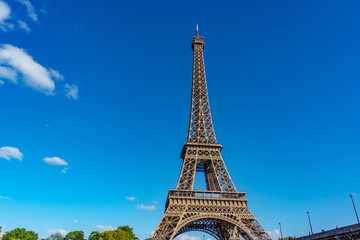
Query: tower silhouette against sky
(220, 210)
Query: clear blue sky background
(283, 80)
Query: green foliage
(56, 236)
(20, 233)
(128, 230)
(121, 233)
(148, 239)
(75, 235)
(94, 235)
(116, 234)
(79, 237)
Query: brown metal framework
(220, 211)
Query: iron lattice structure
(220, 211)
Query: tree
(128, 230)
(20, 233)
(56, 236)
(121, 233)
(116, 234)
(75, 235)
(148, 239)
(94, 235)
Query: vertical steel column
(357, 217)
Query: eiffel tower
(221, 210)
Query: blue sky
(95, 100)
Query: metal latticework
(220, 211)
(201, 129)
(206, 158)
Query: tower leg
(234, 233)
(167, 226)
(223, 218)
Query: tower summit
(201, 128)
(219, 210)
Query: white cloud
(24, 26)
(34, 74)
(274, 234)
(6, 198)
(43, 11)
(10, 152)
(10, 20)
(30, 9)
(64, 170)
(75, 221)
(130, 198)
(156, 202)
(1, 83)
(149, 208)
(72, 91)
(5, 12)
(8, 73)
(55, 161)
(104, 228)
(187, 237)
(16, 63)
(150, 234)
(55, 74)
(61, 231)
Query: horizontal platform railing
(206, 194)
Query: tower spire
(200, 124)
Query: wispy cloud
(33, 74)
(75, 221)
(23, 25)
(130, 198)
(5, 12)
(6, 198)
(71, 91)
(61, 231)
(10, 152)
(149, 208)
(187, 237)
(30, 9)
(55, 161)
(43, 11)
(16, 64)
(8, 73)
(274, 234)
(150, 234)
(64, 170)
(56, 75)
(104, 228)
(10, 20)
